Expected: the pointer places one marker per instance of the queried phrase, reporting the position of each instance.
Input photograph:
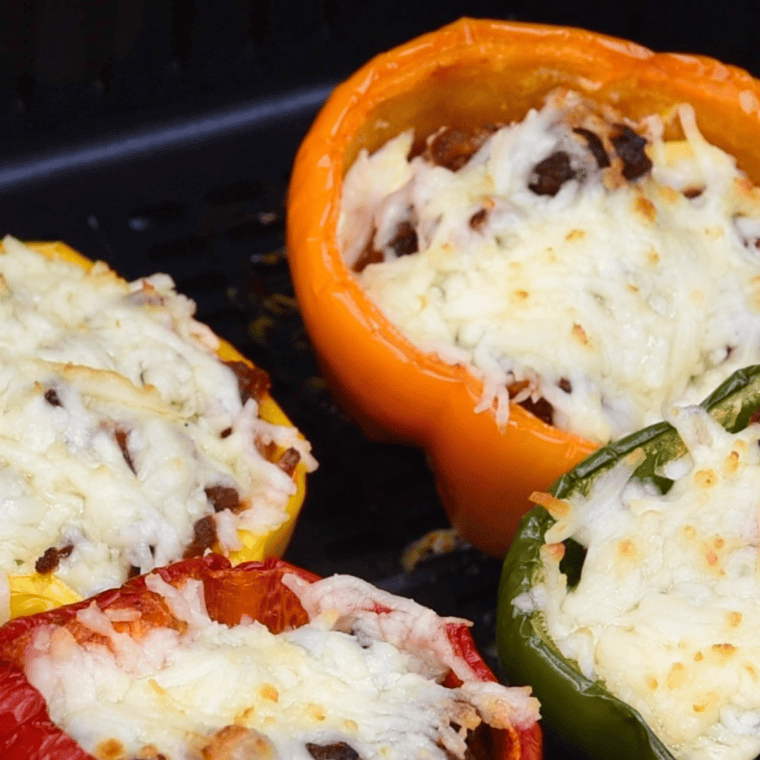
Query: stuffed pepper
(629, 597)
(512, 244)
(130, 435)
(202, 660)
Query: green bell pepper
(580, 710)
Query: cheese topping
(212, 687)
(667, 611)
(121, 431)
(593, 271)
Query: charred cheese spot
(245, 715)
(676, 677)
(627, 549)
(110, 749)
(668, 194)
(732, 463)
(645, 209)
(705, 478)
(575, 234)
(156, 687)
(724, 650)
(734, 619)
(269, 692)
(580, 334)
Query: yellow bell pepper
(35, 593)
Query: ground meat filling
(370, 255)
(51, 396)
(121, 438)
(540, 408)
(336, 751)
(52, 557)
(453, 147)
(550, 174)
(404, 242)
(252, 382)
(478, 220)
(224, 497)
(595, 146)
(204, 537)
(629, 146)
(289, 461)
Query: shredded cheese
(666, 612)
(606, 291)
(116, 417)
(189, 694)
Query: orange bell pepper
(35, 593)
(468, 74)
(253, 589)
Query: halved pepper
(580, 710)
(35, 593)
(252, 589)
(469, 74)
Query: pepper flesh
(253, 589)
(468, 74)
(582, 711)
(35, 593)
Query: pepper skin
(35, 593)
(582, 712)
(467, 74)
(252, 588)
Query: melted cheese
(666, 613)
(316, 684)
(608, 299)
(87, 358)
